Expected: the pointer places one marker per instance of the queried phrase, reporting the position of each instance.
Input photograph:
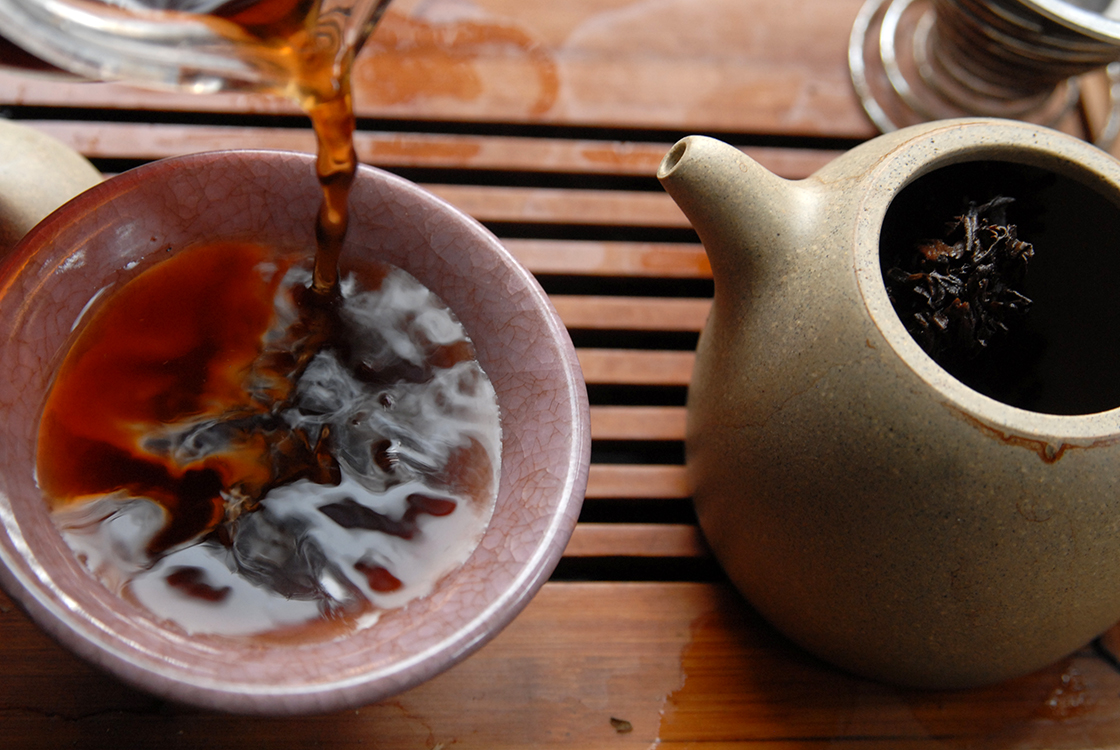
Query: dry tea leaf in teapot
(960, 295)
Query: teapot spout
(742, 212)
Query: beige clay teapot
(877, 509)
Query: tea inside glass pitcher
(201, 46)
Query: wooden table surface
(546, 120)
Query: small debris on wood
(622, 726)
(958, 296)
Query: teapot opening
(1039, 331)
(672, 158)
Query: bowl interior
(116, 230)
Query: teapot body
(871, 506)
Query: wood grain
(598, 312)
(564, 206)
(687, 666)
(636, 540)
(637, 422)
(548, 120)
(636, 481)
(541, 683)
(627, 259)
(127, 140)
(718, 66)
(636, 366)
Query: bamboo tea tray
(546, 121)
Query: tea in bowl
(233, 493)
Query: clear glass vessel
(199, 46)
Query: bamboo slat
(636, 367)
(128, 140)
(590, 258)
(636, 481)
(637, 422)
(631, 313)
(561, 206)
(635, 540)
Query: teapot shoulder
(38, 174)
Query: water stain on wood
(418, 151)
(742, 681)
(411, 59)
(678, 264)
(623, 157)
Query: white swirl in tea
(241, 455)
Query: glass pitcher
(200, 46)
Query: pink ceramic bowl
(112, 232)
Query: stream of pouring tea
(338, 470)
(302, 50)
(308, 44)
